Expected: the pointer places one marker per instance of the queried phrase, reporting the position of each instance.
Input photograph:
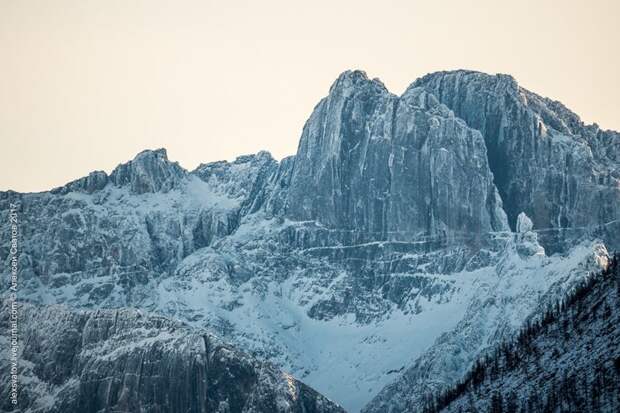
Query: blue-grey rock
(379, 253)
(564, 174)
(126, 361)
(149, 171)
(392, 168)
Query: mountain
(545, 160)
(376, 264)
(391, 168)
(546, 164)
(125, 360)
(568, 359)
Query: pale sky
(85, 85)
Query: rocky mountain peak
(421, 99)
(466, 75)
(384, 240)
(354, 81)
(545, 161)
(95, 181)
(149, 171)
(367, 159)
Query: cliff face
(124, 360)
(379, 254)
(392, 167)
(546, 161)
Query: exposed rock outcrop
(149, 171)
(391, 168)
(380, 250)
(526, 239)
(563, 174)
(124, 360)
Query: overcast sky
(85, 85)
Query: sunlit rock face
(547, 163)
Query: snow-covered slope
(565, 359)
(517, 288)
(127, 361)
(380, 254)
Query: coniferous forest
(565, 360)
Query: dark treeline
(571, 392)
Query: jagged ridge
(545, 160)
(384, 224)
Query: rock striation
(403, 239)
(546, 162)
(391, 168)
(127, 361)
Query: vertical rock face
(390, 167)
(562, 173)
(361, 243)
(123, 360)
